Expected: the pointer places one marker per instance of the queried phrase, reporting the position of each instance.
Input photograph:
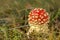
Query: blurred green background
(14, 15)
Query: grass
(14, 15)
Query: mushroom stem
(38, 29)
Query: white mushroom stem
(38, 28)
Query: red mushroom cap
(38, 16)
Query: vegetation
(14, 15)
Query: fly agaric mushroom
(38, 20)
